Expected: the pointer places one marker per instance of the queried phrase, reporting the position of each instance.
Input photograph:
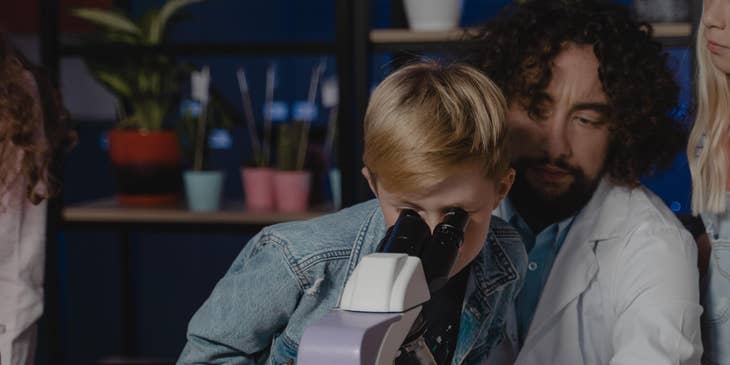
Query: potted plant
(203, 187)
(292, 182)
(257, 177)
(433, 15)
(662, 11)
(146, 157)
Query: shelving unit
(354, 44)
(233, 218)
(53, 49)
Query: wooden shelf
(394, 39)
(254, 48)
(109, 211)
(380, 36)
(672, 30)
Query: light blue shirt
(542, 250)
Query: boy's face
(468, 190)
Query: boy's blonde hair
(427, 120)
(706, 148)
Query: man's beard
(539, 207)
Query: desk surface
(107, 210)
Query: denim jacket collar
(368, 236)
(492, 270)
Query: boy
(435, 139)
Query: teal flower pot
(203, 190)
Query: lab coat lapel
(576, 264)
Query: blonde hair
(427, 120)
(706, 150)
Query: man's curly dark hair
(517, 48)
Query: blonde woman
(709, 156)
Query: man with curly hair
(612, 274)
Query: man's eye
(539, 115)
(589, 122)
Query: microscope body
(379, 315)
(379, 305)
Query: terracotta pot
(148, 166)
(292, 190)
(258, 185)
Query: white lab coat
(623, 289)
(22, 258)
(22, 254)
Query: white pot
(433, 14)
(662, 10)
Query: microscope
(379, 317)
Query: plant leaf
(146, 23)
(108, 19)
(114, 82)
(157, 27)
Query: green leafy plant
(146, 86)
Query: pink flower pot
(292, 190)
(258, 184)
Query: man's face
(468, 190)
(560, 159)
(716, 20)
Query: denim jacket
(291, 274)
(716, 296)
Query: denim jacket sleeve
(247, 308)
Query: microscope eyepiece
(456, 218)
(407, 235)
(439, 254)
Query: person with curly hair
(612, 273)
(708, 152)
(33, 131)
